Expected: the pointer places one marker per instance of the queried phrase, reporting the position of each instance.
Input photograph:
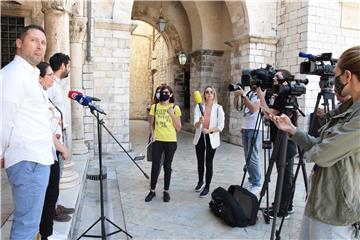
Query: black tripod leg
(303, 168)
(84, 234)
(120, 229)
(274, 156)
(281, 173)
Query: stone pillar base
(69, 177)
(79, 147)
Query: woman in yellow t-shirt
(167, 122)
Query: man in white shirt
(26, 146)
(60, 64)
(251, 137)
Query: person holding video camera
(333, 205)
(250, 106)
(277, 108)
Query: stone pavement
(186, 216)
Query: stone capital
(77, 29)
(55, 5)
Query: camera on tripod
(261, 77)
(292, 87)
(316, 65)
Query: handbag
(149, 149)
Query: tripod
(327, 94)
(102, 218)
(280, 153)
(266, 145)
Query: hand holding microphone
(198, 101)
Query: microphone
(85, 101)
(306, 55)
(198, 100)
(80, 93)
(93, 98)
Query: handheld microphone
(84, 100)
(198, 100)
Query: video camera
(316, 66)
(261, 77)
(293, 87)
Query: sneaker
(247, 185)
(199, 186)
(57, 236)
(150, 196)
(62, 209)
(255, 190)
(279, 215)
(204, 192)
(166, 196)
(62, 217)
(291, 210)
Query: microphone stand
(102, 217)
(94, 107)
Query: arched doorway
(157, 61)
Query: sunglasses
(209, 92)
(165, 92)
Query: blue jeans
(253, 164)
(28, 181)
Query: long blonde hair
(214, 91)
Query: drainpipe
(88, 43)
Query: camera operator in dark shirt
(278, 107)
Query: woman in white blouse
(46, 80)
(209, 122)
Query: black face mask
(339, 86)
(164, 96)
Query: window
(10, 26)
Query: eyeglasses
(209, 92)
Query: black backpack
(247, 200)
(237, 207)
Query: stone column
(77, 33)
(56, 25)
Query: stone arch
(177, 31)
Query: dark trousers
(200, 154)
(159, 148)
(286, 196)
(51, 197)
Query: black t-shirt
(280, 103)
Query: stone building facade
(120, 59)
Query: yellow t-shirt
(164, 127)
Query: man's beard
(66, 74)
